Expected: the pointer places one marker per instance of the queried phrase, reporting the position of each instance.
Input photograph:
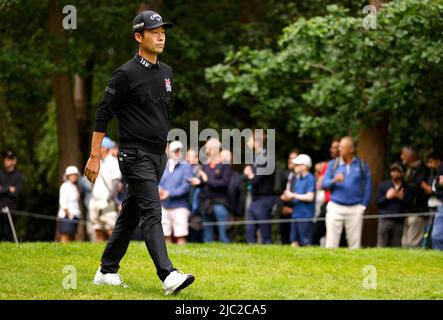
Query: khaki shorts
(175, 221)
(102, 214)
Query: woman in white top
(69, 205)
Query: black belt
(144, 146)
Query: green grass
(35, 271)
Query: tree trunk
(67, 130)
(372, 147)
(250, 11)
(82, 102)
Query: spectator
(195, 224)
(415, 173)
(174, 195)
(69, 205)
(235, 193)
(284, 180)
(114, 150)
(393, 196)
(85, 188)
(262, 192)
(11, 182)
(103, 207)
(303, 196)
(214, 179)
(429, 187)
(319, 231)
(437, 230)
(121, 189)
(349, 180)
(320, 193)
(434, 162)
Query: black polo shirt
(140, 94)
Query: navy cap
(9, 154)
(149, 20)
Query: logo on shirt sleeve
(110, 90)
(168, 85)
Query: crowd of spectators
(320, 204)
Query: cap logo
(138, 25)
(156, 16)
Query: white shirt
(171, 165)
(109, 172)
(433, 201)
(69, 199)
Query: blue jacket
(351, 191)
(303, 185)
(176, 183)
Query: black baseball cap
(9, 154)
(149, 20)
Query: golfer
(140, 94)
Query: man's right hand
(339, 178)
(92, 168)
(390, 194)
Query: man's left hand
(163, 194)
(426, 187)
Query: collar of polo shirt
(145, 63)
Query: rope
(246, 222)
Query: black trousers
(142, 172)
(389, 232)
(319, 230)
(5, 227)
(285, 229)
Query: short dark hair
(141, 31)
(434, 155)
(294, 150)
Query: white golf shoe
(112, 279)
(176, 281)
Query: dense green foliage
(330, 76)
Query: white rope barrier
(246, 222)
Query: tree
(373, 145)
(67, 128)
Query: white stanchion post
(6, 211)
